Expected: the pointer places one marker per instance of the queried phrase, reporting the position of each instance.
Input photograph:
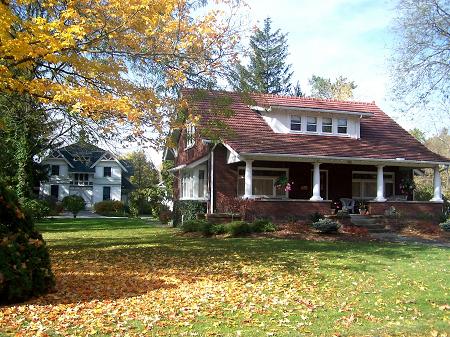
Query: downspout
(211, 181)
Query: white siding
(280, 122)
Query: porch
(315, 186)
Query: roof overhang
(114, 159)
(191, 165)
(341, 112)
(342, 160)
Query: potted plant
(283, 183)
(362, 208)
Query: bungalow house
(88, 171)
(295, 156)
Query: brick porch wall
(410, 209)
(284, 209)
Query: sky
(329, 38)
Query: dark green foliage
(55, 207)
(37, 209)
(218, 229)
(326, 226)
(110, 208)
(74, 204)
(24, 260)
(188, 209)
(267, 71)
(316, 216)
(196, 226)
(445, 226)
(237, 228)
(261, 226)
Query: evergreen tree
(267, 71)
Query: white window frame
(274, 178)
(329, 125)
(316, 124)
(346, 126)
(296, 123)
(190, 135)
(362, 189)
(189, 183)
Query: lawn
(128, 277)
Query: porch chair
(348, 204)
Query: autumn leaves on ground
(131, 278)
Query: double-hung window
(264, 182)
(327, 125)
(106, 193)
(311, 124)
(194, 183)
(107, 171)
(342, 125)
(296, 123)
(364, 184)
(190, 135)
(55, 170)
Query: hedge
(187, 209)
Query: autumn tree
(115, 63)
(421, 67)
(267, 71)
(339, 89)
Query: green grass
(122, 276)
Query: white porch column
(316, 183)
(380, 184)
(248, 179)
(437, 185)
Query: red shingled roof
(381, 137)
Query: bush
(316, 216)
(445, 226)
(188, 209)
(237, 228)
(193, 226)
(24, 260)
(260, 226)
(55, 207)
(218, 229)
(74, 204)
(392, 213)
(164, 214)
(326, 226)
(110, 208)
(37, 209)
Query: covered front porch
(294, 187)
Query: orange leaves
(96, 57)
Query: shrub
(326, 226)
(24, 260)
(110, 208)
(392, 213)
(37, 209)
(74, 204)
(55, 207)
(164, 214)
(193, 226)
(237, 228)
(260, 226)
(316, 216)
(445, 226)
(187, 209)
(218, 229)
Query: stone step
(372, 223)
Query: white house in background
(88, 171)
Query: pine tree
(267, 71)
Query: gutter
(330, 159)
(343, 112)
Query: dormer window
(296, 123)
(342, 125)
(327, 125)
(190, 136)
(311, 124)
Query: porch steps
(372, 223)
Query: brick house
(251, 145)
